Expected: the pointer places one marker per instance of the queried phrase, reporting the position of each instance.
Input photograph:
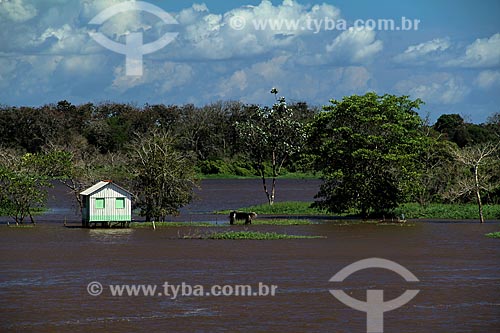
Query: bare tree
(476, 158)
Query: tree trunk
(263, 177)
(31, 217)
(273, 191)
(478, 194)
(273, 185)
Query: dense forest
(373, 152)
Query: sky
(445, 52)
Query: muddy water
(45, 272)
(212, 195)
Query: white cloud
(487, 79)
(17, 10)
(160, 78)
(441, 88)
(235, 84)
(483, 52)
(355, 79)
(424, 51)
(355, 46)
(83, 64)
(267, 28)
(7, 67)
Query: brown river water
(45, 273)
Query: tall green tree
(270, 137)
(163, 177)
(367, 148)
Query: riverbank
(409, 210)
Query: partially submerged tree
(23, 184)
(476, 178)
(163, 177)
(368, 149)
(271, 136)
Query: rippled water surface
(45, 272)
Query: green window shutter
(120, 203)
(99, 203)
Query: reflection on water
(111, 236)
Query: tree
(438, 170)
(163, 176)
(475, 159)
(454, 128)
(367, 148)
(272, 136)
(23, 186)
(79, 166)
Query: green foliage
(456, 130)
(149, 225)
(23, 183)
(438, 171)
(237, 167)
(410, 210)
(271, 136)
(493, 234)
(163, 176)
(220, 224)
(367, 148)
(282, 208)
(281, 222)
(254, 235)
(446, 211)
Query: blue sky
(452, 61)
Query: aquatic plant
(493, 234)
(254, 235)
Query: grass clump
(281, 222)
(493, 234)
(219, 224)
(21, 226)
(446, 211)
(254, 235)
(410, 210)
(282, 208)
(171, 224)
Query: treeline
(108, 128)
(208, 131)
(373, 152)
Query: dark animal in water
(234, 215)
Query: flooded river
(46, 272)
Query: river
(46, 271)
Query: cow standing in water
(234, 215)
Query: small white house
(106, 203)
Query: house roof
(100, 185)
